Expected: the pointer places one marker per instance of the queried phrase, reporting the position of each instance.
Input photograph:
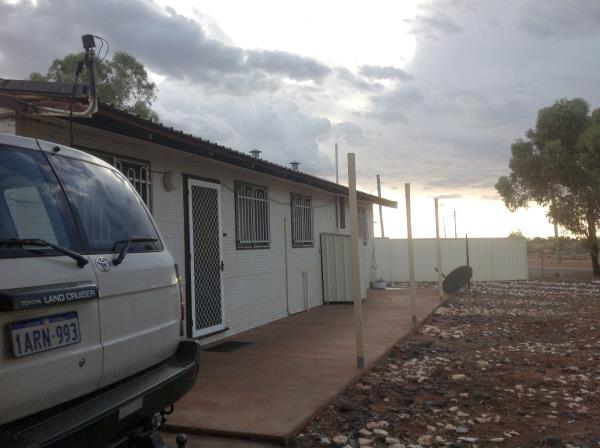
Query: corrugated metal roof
(121, 122)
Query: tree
(516, 234)
(121, 81)
(558, 165)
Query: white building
(244, 232)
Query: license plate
(44, 333)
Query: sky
(427, 92)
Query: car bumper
(98, 418)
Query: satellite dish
(457, 279)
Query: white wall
(254, 280)
(490, 258)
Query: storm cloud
(168, 43)
(388, 72)
(443, 119)
(434, 24)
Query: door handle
(222, 266)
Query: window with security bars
(137, 172)
(302, 221)
(139, 175)
(341, 212)
(363, 229)
(252, 230)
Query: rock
(340, 440)
(403, 417)
(497, 440)
(380, 433)
(365, 432)
(461, 430)
(392, 441)
(552, 441)
(381, 424)
(425, 440)
(346, 406)
(468, 439)
(459, 377)
(462, 414)
(325, 441)
(429, 330)
(364, 442)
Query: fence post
(468, 262)
(543, 276)
(439, 250)
(356, 292)
(411, 258)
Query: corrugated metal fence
(337, 267)
(490, 258)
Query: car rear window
(107, 207)
(32, 204)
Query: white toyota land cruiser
(90, 306)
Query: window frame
(363, 227)
(295, 242)
(341, 212)
(255, 244)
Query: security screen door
(206, 255)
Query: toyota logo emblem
(103, 264)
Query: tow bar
(148, 436)
(154, 440)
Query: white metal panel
(491, 258)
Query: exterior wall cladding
(254, 279)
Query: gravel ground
(508, 364)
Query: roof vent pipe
(255, 153)
(295, 165)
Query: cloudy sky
(427, 92)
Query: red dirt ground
(530, 356)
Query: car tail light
(181, 302)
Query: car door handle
(222, 266)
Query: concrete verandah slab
(294, 367)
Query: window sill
(252, 247)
